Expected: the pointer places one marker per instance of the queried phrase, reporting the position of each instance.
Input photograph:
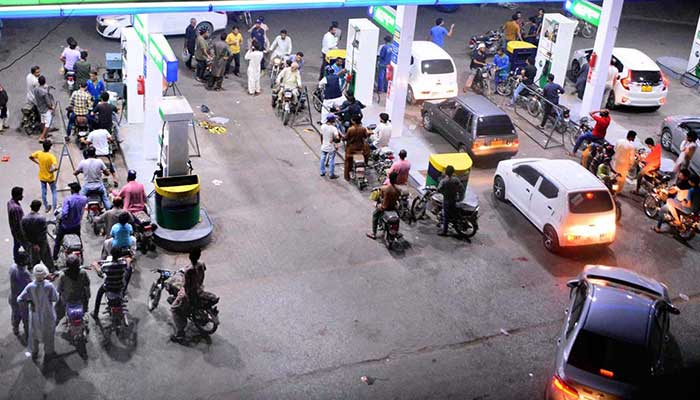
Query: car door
(521, 187)
(442, 114)
(457, 126)
(543, 206)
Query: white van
(568, 204)
(433, 74)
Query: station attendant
(383, 61)
(332, 92)
(328, 43)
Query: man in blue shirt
(383, 60)
(71, 216)
(551, 94)
(95, 87)
(502, 63)
(438, 32)
(297, 58)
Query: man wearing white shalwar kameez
(41, 296)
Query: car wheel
(205, 25)
(410, 98)
(427, 122)
(550, 240)
(499, 188)
(666, 139)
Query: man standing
(48, 165)
(438, 32)
(32, 83)
(93, 169)
(452, 191)
(602, 121)
(332, 92)
(258, 33)
(511, 30)
(222, 53)
(190, 40)
(338, 32)
(20, 277)
(282, 45)
(34, 229)
(624, 158)
(389, 197)
(382, 133)
(551, 94)
(613, 72)
(82, 68)
(254, 55)
(383, 60)
(527, 78)
(95, 87)
(40, 296)
(14, 218)
(329, 140)
(234, 40)
(71, 217)
(133, 193)
(4, 98)
(328, 43)
(202, 53)
(582, 80)
(44, 104)
(355, 141)
(81, 104)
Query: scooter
(205, 316)
(465, 221)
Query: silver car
(614, 339)
(674, 130)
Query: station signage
(383, 16)
(585, 10)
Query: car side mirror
(672, 309)
(574, 283)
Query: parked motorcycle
(507, 87)
(482, 80)
(464, 222)
(357, 173)
(205, 316)
(31, 121)
(143, 231)
(382, 159)
(491, 39)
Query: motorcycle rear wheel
(154, 296)
(534, 107)
(651, 206)
(318, 103)
(285, 117)
(418, 207)
(466, 228)
(504, 89)
(210, 326)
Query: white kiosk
(556, 39)
(361, 57)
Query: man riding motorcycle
(687, 203)
(114, 273)
(189, 294)
(390, 197)
(650, 164)
(289, 79)
(133, 193)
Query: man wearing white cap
(41, 296)
(478, 61)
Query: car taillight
(665, 80)
(148, 228)
(625, 82)
(559, 385)
(606, 373)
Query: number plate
(646, 88)
(498, 142)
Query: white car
(641, 82)
(568, 204)
(110, 26)
(432, 73)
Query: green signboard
(586, 11)
(384, 16)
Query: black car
(472, 124)
(614, 338)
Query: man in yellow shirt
(47, 172)
(511, 29)
(234, 40)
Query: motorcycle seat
(390, 217)
(74, 311)
(358, 158)
(142, 218)
(115, 299)
(72, 243)
(467, 207)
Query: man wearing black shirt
(452, 191)
(527, 78)
(551, 94)
(103, 113)
(190, 39)
(478, 61)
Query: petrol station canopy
(65, 8)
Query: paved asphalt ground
(309, 305)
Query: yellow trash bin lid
(519, 45)
(335, 53)
(461, 162)
(177, 187)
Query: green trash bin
(177, 201)
(437, 163)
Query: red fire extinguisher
(389, 72)
(140, 85)
(591, 65)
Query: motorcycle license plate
(288, 95)
(646, 88)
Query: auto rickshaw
(518, 52)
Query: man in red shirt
(651, 163)
(133, 193)
(602, 121)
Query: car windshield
(494, 125)
(646, 77)
(609, 357)
(434, 67)
(589, 202)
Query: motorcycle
(583, 127)
(560, 119)
(357, 173)
(654, 200)
(482, 80)
(71, 244)
(77, 327)
(205, 316)
(686, 228)
(143, 231)
(94, 207)
(464, 222)
(382, 159)
(276, 66)
(491, 39)
(610, 181)
(317, 99)
(656, 180)
(507, 87)
(70, 80)
(389, 224)
(31, 121)
(118, 313)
